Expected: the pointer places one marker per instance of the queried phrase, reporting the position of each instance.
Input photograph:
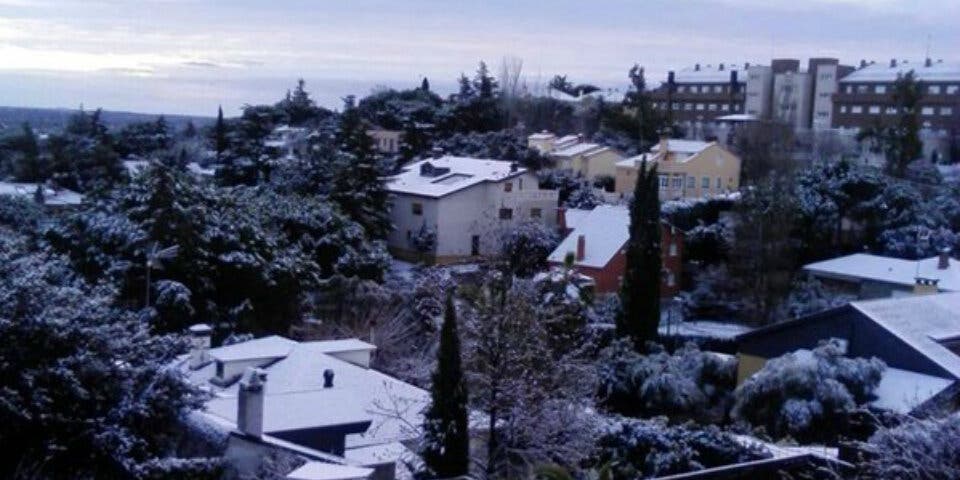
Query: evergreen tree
(162, 132)
(447, 440)
(220, 134)
(484, 83)
(27, 163)
(189, 131)
(640, 292)
(900, 141)
(425, 85)
(358, 186)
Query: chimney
(562, 219)
(746, 66)
(579, 138)
(721, 67)
(863, 63)
(514, 166)
(250, 401)
(944, 261)
(671, 77)
(581, 247)
(893, 63)
(696, 68)
(664, 146)
(437, 152)
(328, 378)
(199, 345)
(928, 62)
(925, 286)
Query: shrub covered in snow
(687, 385)
(650, 448)
(526, 247)
(808, 395)
(810, 296)
(917, 450)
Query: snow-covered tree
(917, 450)
(526, 247)
(810, 296)
(808, 395)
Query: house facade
(915, 336)
(384, 140)
(597, 240)
(688, 169)
(573, 154)
(466, 204)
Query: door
(475, 245)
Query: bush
(688, 385)
(923, 449)
(808, 395)
(650, 448)
(527, 246)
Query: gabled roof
(920, 321)
(579, 149)
(605, 229)
(463, 172)
(683, 146)
(574, 216)
(888, 269)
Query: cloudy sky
(188, 56)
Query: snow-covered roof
(704, 329)
(902, 391)
(329, 471)
(574, 216)
(52, 197)
(541, 136)
(888, 269)
(578, 149)
(883, 72)
(196, 169)
(738, 117)
(566, 141)
(921, 321)
(463, 172)
(683, 146)
(295, 387)
(709, 74)
(605, 230)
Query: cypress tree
(220, 134)
(425, 85)
(640, 293)
(447, 441)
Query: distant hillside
(54, 119)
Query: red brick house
(597, 238)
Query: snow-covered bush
(526, 247)
(714, 294)
(687, 385)
(917, 241)
(708, 243)
(425, 240)
(810, 296)
(916, 450)
(808, 395)
(651, 448)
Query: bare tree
(510, 86)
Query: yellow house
(588, 160)
(687, 169)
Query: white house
(319, 401)
(467, 203)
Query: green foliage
(83, 157)
(640, 292)
(446, 436)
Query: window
(506, 213)
(823, 114)
(416, 208)
(409, 234)
(673, 249)
(664, 181)
(219, 369)
(717, 89)
(856, 109)
(705, 182)
(861, 89)
(849, 89)
(933, 89)
(508, 187)
(843, 109)
(953, 89)
(712, 107)
(927, 111)
(945, 111)
(736, 108)
(880, 89)
(691, 182)
(826, 76)
(719, 183)
(682, 88)
(699, 107)
(724, 107)
(671, 280)
(891, 110)
(874, 109)
(520, 183)
(677, 181)
(688, 106)
(824, 94)
(536, 213)
(676, 106)
(475, 245)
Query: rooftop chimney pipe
(250, 401)
(199, 345)
(944, 261)
(328, 378)
(581, 247)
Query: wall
(747, 365)
(602, 163)
(759, 91)
(406, 224)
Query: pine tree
(900, 141)
(425, 85)
(447, 440)
(190, 130)
(640, 293)
(220, 134)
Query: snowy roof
(883, 72)
(738, 117)
(605, 230)
(683, 146)
(578, 149)
(53, 197)
(541, 136)
(329, 471)
(920, 321)
(902, 391)
(574, 216)
(566, 141)
(888, 269)
(295, 386)
(463, 172)
(704, 329)
(196, 169)
(709, 74)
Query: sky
(189, 56)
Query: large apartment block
(704, 93)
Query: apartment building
(687, 169)
(865, 97)
(466, 204)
